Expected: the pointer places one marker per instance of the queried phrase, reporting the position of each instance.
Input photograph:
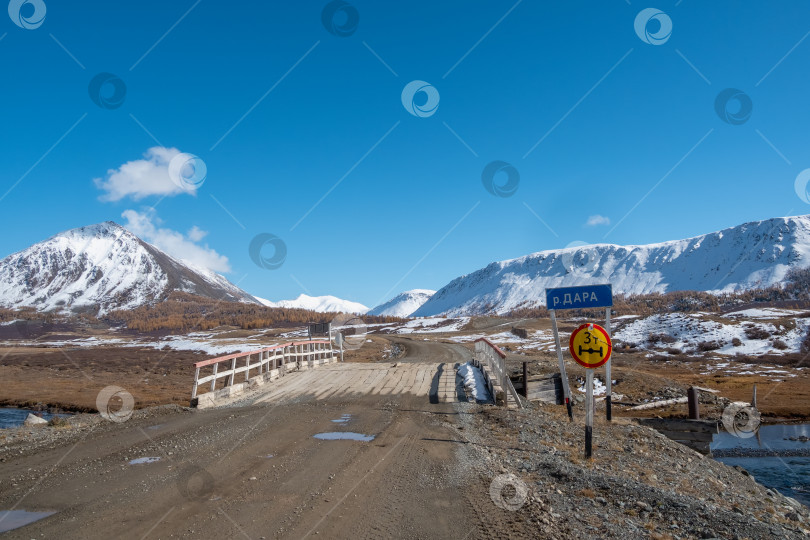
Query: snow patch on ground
(599, 387)
(764, 313)
(687, 331)
(474, 381)
(432, 325)
(537, 339)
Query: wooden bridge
(311, 369)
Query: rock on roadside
(34, 420)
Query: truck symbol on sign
(592, 351)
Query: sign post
(588, 412)
(561, 363)
(339, 340)
(591, 347)
(589, 296)
(608, 381)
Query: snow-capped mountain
(99, 268)
(403, 304)
(321, 304)
(756, 254)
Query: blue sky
(628, 132)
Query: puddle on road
(344, 435)
(141, 460)
(14, 519)
(157, 426)
(343, 419)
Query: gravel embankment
(639, 484)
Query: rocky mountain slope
(99, 268)
(755, 254)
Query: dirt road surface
(256, 471)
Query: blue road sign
(589, 296)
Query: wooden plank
(687, 435)
(548, 397)
(701, 447)
(661, 403)
(678, 424)
(545, 386)
(548, 391)
(492, 346)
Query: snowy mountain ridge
(403, 304)
(321, 304)
(751, 255)
(99, 268)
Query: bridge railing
(261, 361)
(490, 355)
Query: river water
(788, 474)
(16, 417)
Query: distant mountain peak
(321, 304)
(403, 304)
(99, 268)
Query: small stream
(786, 471)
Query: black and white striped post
(608, 380)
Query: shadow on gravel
(434, 385)
(461, 392)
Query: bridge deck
(437, 382)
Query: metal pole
(563, 374)
(588, 411)
(526, 380)
(609, 382)
(694, 403)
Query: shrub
(661, 338)
(673, 350)
(779, 344)
(756, 332)
(706, 346)
(58, 422)
(736, 342)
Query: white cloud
(142, 177)
(195, 234)
(145, 225)
(596, 220)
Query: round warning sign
(590, 345)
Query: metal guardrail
(490, 354)
(266, 359)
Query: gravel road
(434, 469)
(254, 471)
